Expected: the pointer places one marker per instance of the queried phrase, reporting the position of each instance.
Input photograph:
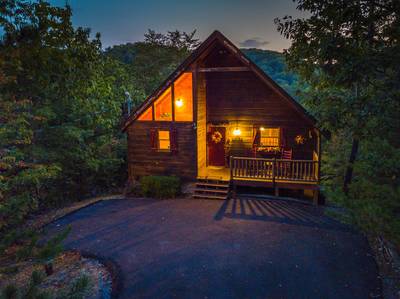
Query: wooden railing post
(273, 171)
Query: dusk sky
(247, 23)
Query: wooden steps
(211, 189)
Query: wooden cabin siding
(242, 98)
(220, 56)
(142, 160)
(201, 121)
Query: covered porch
(269, 173)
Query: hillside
(273, 64)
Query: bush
(80, 288)
(160, 186)
(54, 246)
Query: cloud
(255, 42)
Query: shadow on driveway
(244, 248)
(277, 210)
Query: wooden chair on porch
(284, 168)
(287, 154)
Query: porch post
(273, 171)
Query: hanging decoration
(299, 139)
(216, 137)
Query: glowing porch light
(262, 128)
(179, 103)
(237, 132)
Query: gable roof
(197, 53)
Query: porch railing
(274, 169)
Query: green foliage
(150, 62)
(348, 54)
(27, 250)
(60, 99)
(9, 292)
(31, 291)
(79, 289)
(160, 186)
(54, 246)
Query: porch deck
(215, 173)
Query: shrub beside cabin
(220, 120)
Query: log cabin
(219, 120)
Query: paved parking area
(244, 248)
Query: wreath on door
(216, 137)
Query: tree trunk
(349, 170)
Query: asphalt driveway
(243, 248)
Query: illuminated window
(147, 115)
(270, 137)
(164, 142)
(183, 95)
(163, 106)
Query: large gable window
(183, 98)
(180, 94)
(163, 106)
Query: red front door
(216, 146)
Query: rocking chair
(285, 167)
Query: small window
(147, 115)
(270, 137)
(164, 142)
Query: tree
(348, 52)
(151, 61)
(177, 39)
(341, 51)
(59, 110)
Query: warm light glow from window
(179, 103)
(237, 132)
(163, 140)
(270, 137)
(147, 115)
(183, 94)
(163, 106)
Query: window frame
(172, 87)
(166, 95)
(163, 139)
(279, 137)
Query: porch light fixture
(237, 132)
(179, 103)
(262, 128)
